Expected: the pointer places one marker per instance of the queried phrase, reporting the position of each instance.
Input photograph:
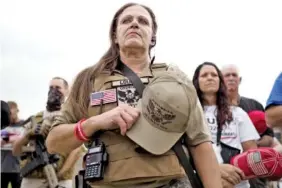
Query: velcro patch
(128, 82)
(105, 97)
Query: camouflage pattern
(41, 183)
(181, 183)
(41, 117)
(37, 173)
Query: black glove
(39, 129)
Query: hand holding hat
(226, 184)
(231, 173)
(122, 117)
(260, 162)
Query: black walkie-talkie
(96, 161)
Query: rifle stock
(51, 175)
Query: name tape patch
(128, 82)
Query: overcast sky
(42, 39)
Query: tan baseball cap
(165, 108)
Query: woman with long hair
(110, 113)
(231, 129)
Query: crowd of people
(126, 116)
(23, 134)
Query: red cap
(258, 119)
(260, 162)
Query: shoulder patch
(159, 66)
(127, 95)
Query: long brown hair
(78, 100)
(224, 114)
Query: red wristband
(80, 130)
(79, 133)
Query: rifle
(42, 159)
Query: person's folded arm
(62, 139)
(265, 141)
(273, 107)
(247, 131)
(70, 161)
(199, 142)
(206, 165)
(274, 116)
(19, 143)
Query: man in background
(10, 167)
(232, 79)
(64, 168)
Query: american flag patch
(108, 96)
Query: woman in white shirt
(229, 125)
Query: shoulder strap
(187, 165)
(218, 134)
(178, 149)
(134, 79)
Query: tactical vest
(126, 165)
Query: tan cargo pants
(41, 183)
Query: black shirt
(249, 105)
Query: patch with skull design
(126, 92)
